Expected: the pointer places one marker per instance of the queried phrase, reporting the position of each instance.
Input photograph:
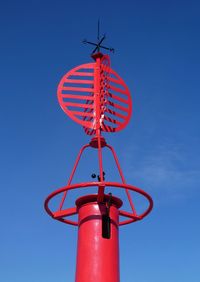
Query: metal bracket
(106, 220)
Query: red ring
(106, 184)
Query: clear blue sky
(158, 54)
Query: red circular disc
(74, 90)
(89, 86)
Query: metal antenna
(99, 41)
(98, 31)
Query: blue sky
(157, 53)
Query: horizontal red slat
(88, 118)
(81, 97)
(117, 98)
(82, 73)
(89, 102)
(118, 106)
(78, 105)
(80, 89)
(117, 81)
(112, 120)
(83, 114)
(115, 113)
(107, 128)
(88, 110)
(80, 81)
(118, 89)
(89, 131)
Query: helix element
(96, 97)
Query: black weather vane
(98, 45)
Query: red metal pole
(97, 91)
(122, 178)
(97, 257)
(72, 174)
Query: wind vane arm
(99, 41)
(98, 46)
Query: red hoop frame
(60, 213)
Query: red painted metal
(97, 98)
(62, 215)
(97, 257)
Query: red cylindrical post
(97, 252)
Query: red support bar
(101, 188)
(72, 174)
(128, 214)
(123, 178)
(63, 213)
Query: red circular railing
(62, 214)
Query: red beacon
(97, 98)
